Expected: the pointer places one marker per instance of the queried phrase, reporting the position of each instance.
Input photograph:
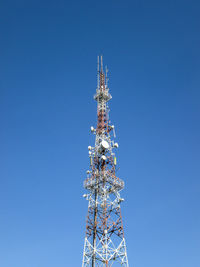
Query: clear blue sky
(48, 53)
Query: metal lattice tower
(104, 242)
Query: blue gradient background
(48, 53)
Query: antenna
(98, 78)
(101, 63)
(107, 77)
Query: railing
(108, 177)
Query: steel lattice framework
(104, 242)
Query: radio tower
(104, 242)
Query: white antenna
(114, 133)
(101, 63)
(107, 77)
(98, 78)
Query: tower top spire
(100, 73)
(101, 81)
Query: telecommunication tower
(104, 242)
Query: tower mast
(104, 242)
